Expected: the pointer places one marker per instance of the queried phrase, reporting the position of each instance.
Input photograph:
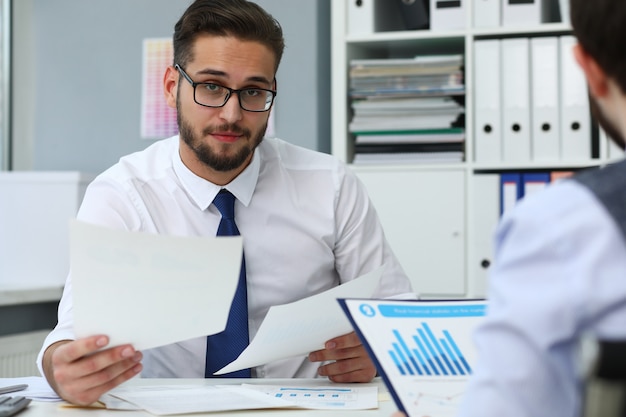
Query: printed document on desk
(202, 398)
(151, 290)
(422, 349)
(303, 326)
(184, 399)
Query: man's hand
(80, 373)
(351, 361)
(398, 414)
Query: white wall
(77, 77)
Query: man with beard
(306, 221)
(560, 258)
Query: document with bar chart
(423, 349)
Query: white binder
(575, 116)
(544, 76)
(529, 12)
(370, 16)
(447, 14)
(521, 13)
(360, 17)
(486, 216)
(515, 100)
(486, 13)
(613, 151)
(487, 114)
(564, 11)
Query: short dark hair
(600, 27)
(239, 18)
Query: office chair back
(605, 388)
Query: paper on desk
(151, 290)
(323, 397)
(38, 388)
(303, 326)
(185, 399)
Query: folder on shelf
(613, 151)
(544, 78)
(486, 13)
(370, 16)
(521, 12)
(487, 87)
(529, 12)
(510, 190)
(414, 13)
(515, 73)
(447, 14)
(575, 114)
(533, 182)
(360, 17)
(486, 205)
(564, 11)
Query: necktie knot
(225, 203)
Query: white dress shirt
(306, 221)
(559, 275)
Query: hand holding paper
(151, 290)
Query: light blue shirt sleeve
(558, 274)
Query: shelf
(426, 36)
(545, 29)
(418, 202)
(526, 166)
(407, 167)
(406, 35)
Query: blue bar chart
(423, 349)
(424, 353)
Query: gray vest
(605, 387)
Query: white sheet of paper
(151, 290)
(38, 388)
(423, 349)
(303, 326)
(184, 399)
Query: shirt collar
(202, 192)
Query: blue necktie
(225, 347)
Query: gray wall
(77, 77)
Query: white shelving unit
(429, 211)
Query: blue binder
(534, 181)
(510, 190)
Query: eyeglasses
(215, 95)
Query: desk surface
(15, 294)
(386, 405)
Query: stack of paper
(162, 399)
(438, 74)
(408, 106)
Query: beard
(212, 158)
(612, 132)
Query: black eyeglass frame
(228, 95)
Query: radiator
(18, 354)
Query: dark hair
(239, 18)
(600, 27)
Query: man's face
(606, 124)
(223, 139)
